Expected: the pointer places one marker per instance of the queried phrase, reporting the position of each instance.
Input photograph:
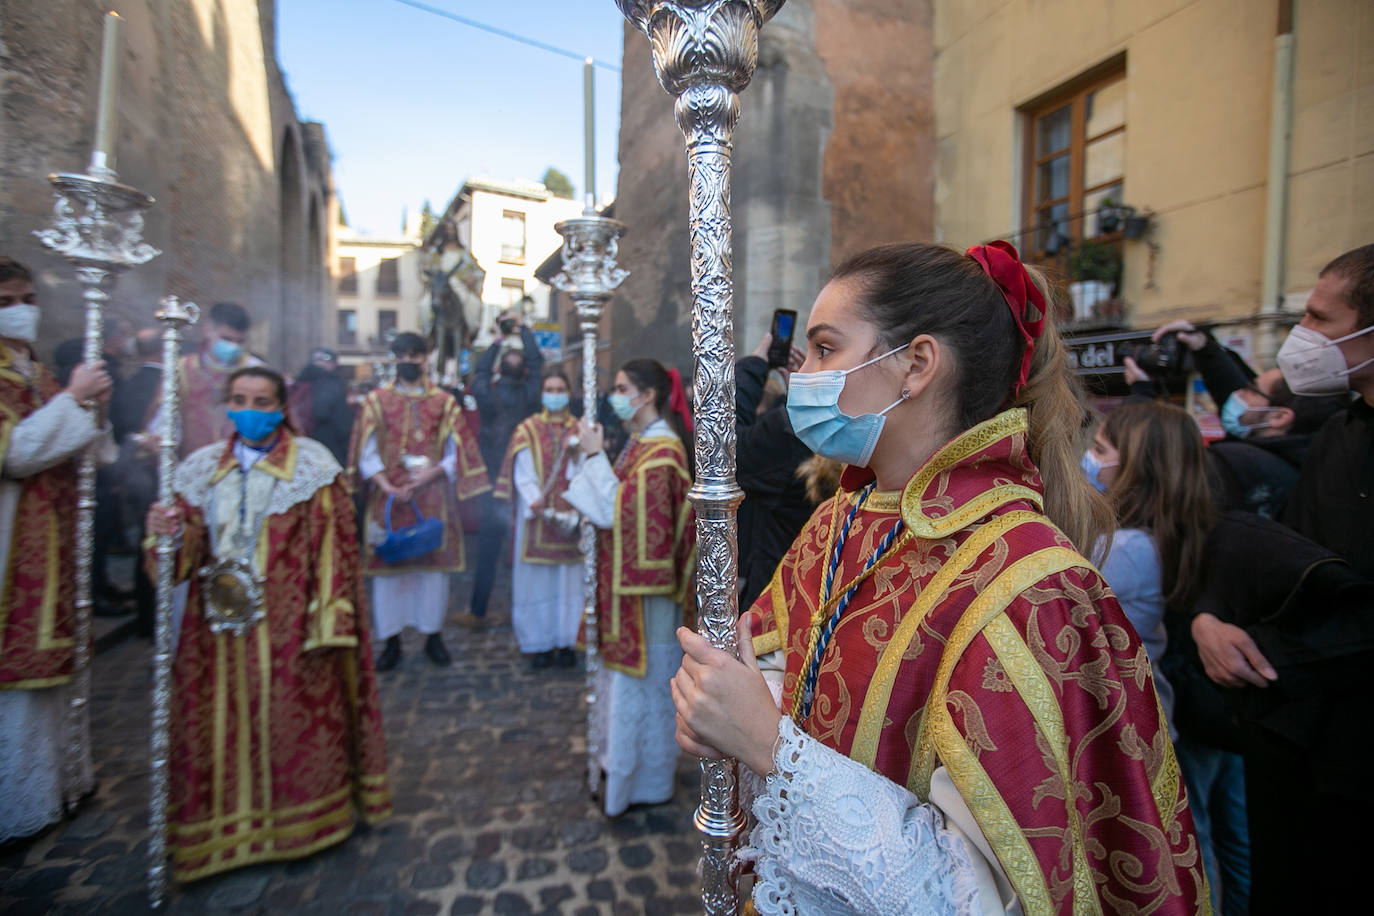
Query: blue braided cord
(813, 673)
(840, 541)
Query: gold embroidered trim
(938, 733)
(1007, 423)
(872, 714)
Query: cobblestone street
(492, 813)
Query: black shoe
(541, 659)
(391, 655)
(434, 648)
(567, 658)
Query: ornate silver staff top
(98, 226)
(704, 53)
(589, 277)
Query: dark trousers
(1308, 851)
(491, 539)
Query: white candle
(589, 134)
(107, 116)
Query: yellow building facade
(1048, 109)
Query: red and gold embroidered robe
(651, 550)
(418, 424)
(276, 736)
(985, 643)
(546, 439)
(38, 589)
(204, 418)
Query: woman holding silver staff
(645, 556)
(546, 574)
(961, 719)
(42, 428)
(276, 731)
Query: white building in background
(378, 289)
(508, 228)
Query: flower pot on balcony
(1086, 295)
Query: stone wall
(245, 205)
(834, 153)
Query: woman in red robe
(276, 733)
(963, 720)
(645, 553)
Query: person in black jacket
(507, 392)
(131, 411)
(776, 505)
(319, 404)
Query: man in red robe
(42, 428)
(204, 373)
(412, 450)
(276, 735)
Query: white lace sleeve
(49, 436)
(834, 838)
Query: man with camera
(1268, 427)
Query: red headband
(677, 398)
(1000, 261)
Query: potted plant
(1094, 271)
(1137, 224)
(1109, 215)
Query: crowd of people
(1002, 652)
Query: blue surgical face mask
(255, 425)
(555, 402)
(620, 403)
(1093, 468)
(813, 406)
(1234, 410)
(226, 352)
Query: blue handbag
(425, 536)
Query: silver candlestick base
(98, 227)
(589, 277)
(705, 52)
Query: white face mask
(1313, 365)
(19, 322)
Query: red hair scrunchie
(1001, 262)
(677, 398)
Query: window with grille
(388, 278)
(1075, 161)
(513, 236)
(348, 328)
(348, 275)
(512, 291)
(386, 322)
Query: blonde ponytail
(1058, 415)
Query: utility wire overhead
(524, 40)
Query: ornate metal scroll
(589, 276)
(174, 316)
(98, 227)
(704, 54)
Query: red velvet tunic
(38, 589)
(418, 424)
(651, 550)
(546, 439)
(984, 643)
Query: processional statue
(705, 52)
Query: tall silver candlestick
(704, 54)
(174, 316)
(98, 227)
(589, 276)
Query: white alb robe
(635, 715)
(33, 736)
(415, 599)
(546, 598)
